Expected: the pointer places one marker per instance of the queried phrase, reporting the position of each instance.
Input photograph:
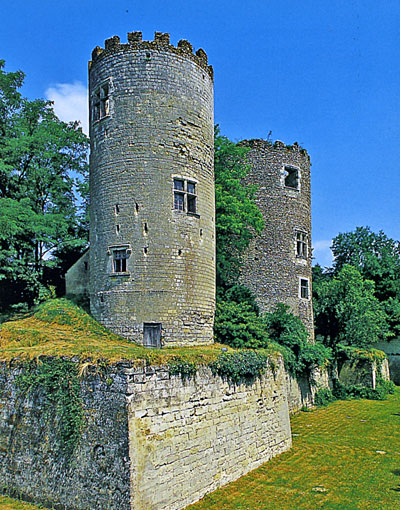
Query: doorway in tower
(152, 334)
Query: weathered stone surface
(392, 351)
(150, 441)
(157, 125)
(31, 465)
(272, 268)
(77, 277)
(301, 391)
(363, 372)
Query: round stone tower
(152, 230)
(277, 266)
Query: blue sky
(324, 73)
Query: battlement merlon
(259, 143)
(160, 42)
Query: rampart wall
(150, 440)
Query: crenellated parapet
(259, 143)
(161, 42)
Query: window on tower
(291, 176)
(120, 257)
(101, 102)
(304, 288)
(185, 196)
(301, 244)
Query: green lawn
(345, 456)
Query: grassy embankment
(59, 328)
(345, 457)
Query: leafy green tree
(347, 311)
(377, 257)
(43, 167)
(237, 215)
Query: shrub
(178, 366)
(238, 325)
(323, 397)
(289, 333)
(240, 365)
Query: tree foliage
(377, 258)
(43, 168)
(347, 311)
(375, 255)
(237, 215)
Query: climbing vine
(57, 379)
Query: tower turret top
(160, 42)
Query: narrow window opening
(101, 298)
(152, 335)
(304, 288)
(86, 266)
(137, 207)
(145, 250)
(101, 102)
(119, 260)
(201, 232)
(179, 252)
(301, 244)
(116, 209)
(117, 229)
(291, 177)
(148, 56)
(145, 229)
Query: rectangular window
(301, 244)
(179, 201)
(119, 261)
(152, 334)
(291, 174)
(101, 102)
(185, 196)
(304, 288)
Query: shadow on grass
(397, 473)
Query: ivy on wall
(57, 379)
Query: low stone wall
(301, 390)
(31, 464)
(363, 372)
(150, 440)
(392, 351)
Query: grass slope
(60, 328)
(12, 504)
(344, 457)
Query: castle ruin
(152, 230)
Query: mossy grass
(59, 328)
(345, 456)
(7, 503)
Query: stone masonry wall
(188, 439)
(272, 268)
(158, 127)
(31, 466)
(151, 441)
